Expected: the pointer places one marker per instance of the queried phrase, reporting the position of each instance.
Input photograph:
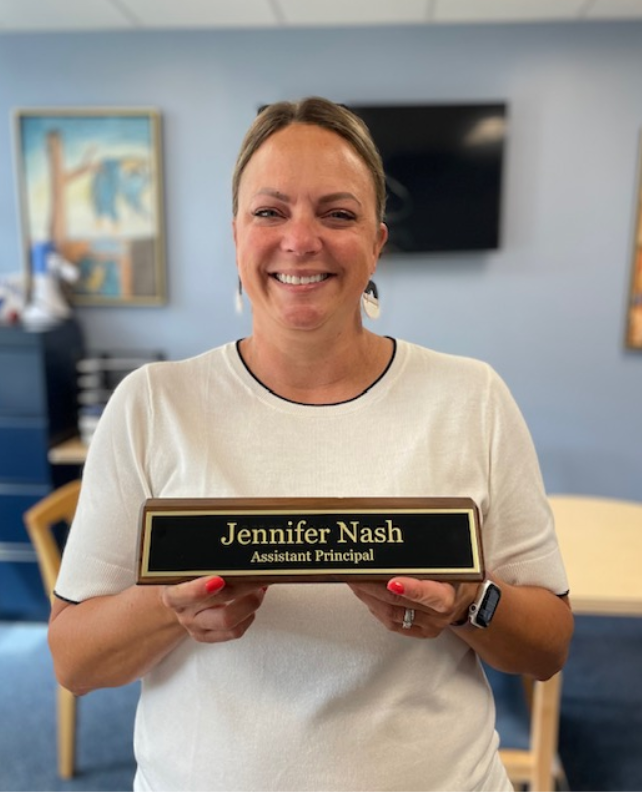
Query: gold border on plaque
(296, 508)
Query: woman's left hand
(436, 605)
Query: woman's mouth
(300, 280)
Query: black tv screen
(443, 168)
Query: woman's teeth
(295, 280)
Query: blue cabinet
(38, 408)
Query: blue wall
(547, 310)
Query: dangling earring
(238, 299)
(370, 301)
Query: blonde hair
(320, 112)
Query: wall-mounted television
(443, 166)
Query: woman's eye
(265, 212)
(341, 214)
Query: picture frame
(633, 335)
(90, 184)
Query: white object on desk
(69, 452)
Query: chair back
(56, 507)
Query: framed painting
(633, 339)
(90, 185)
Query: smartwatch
(481, 612)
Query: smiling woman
(311, 404)
(308, 242)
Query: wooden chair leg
(545, 728)
(66, 733)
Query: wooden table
(601, 542)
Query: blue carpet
(600, 726)
(28, 751)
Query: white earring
(238, 298)
(370, 301)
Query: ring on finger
(408, 618)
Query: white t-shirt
(317, 695)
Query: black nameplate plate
(309, 539)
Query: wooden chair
(57, 507)
(528, 726)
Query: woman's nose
(301, 236)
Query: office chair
(56, 507)
(528, 725)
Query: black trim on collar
(329, 404)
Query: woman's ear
(382, 237)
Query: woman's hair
(317, 112)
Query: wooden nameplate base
(289, 540)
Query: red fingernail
(214, 584)
(396, 587)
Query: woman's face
(306, 232)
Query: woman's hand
(530, 633)
(211, 610)
(114, 639)
(436, 605)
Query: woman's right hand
(111, 640)
(212, 610)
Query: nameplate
(309, 539)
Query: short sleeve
(520, 543)
(100, 555)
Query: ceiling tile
(202, 13)
(615, 9)
(60, 15)
(353, 12)
(506, 10)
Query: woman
(319, 693)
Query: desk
(69, 452)
(601, 542)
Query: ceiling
(81, 15)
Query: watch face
(488, 605)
